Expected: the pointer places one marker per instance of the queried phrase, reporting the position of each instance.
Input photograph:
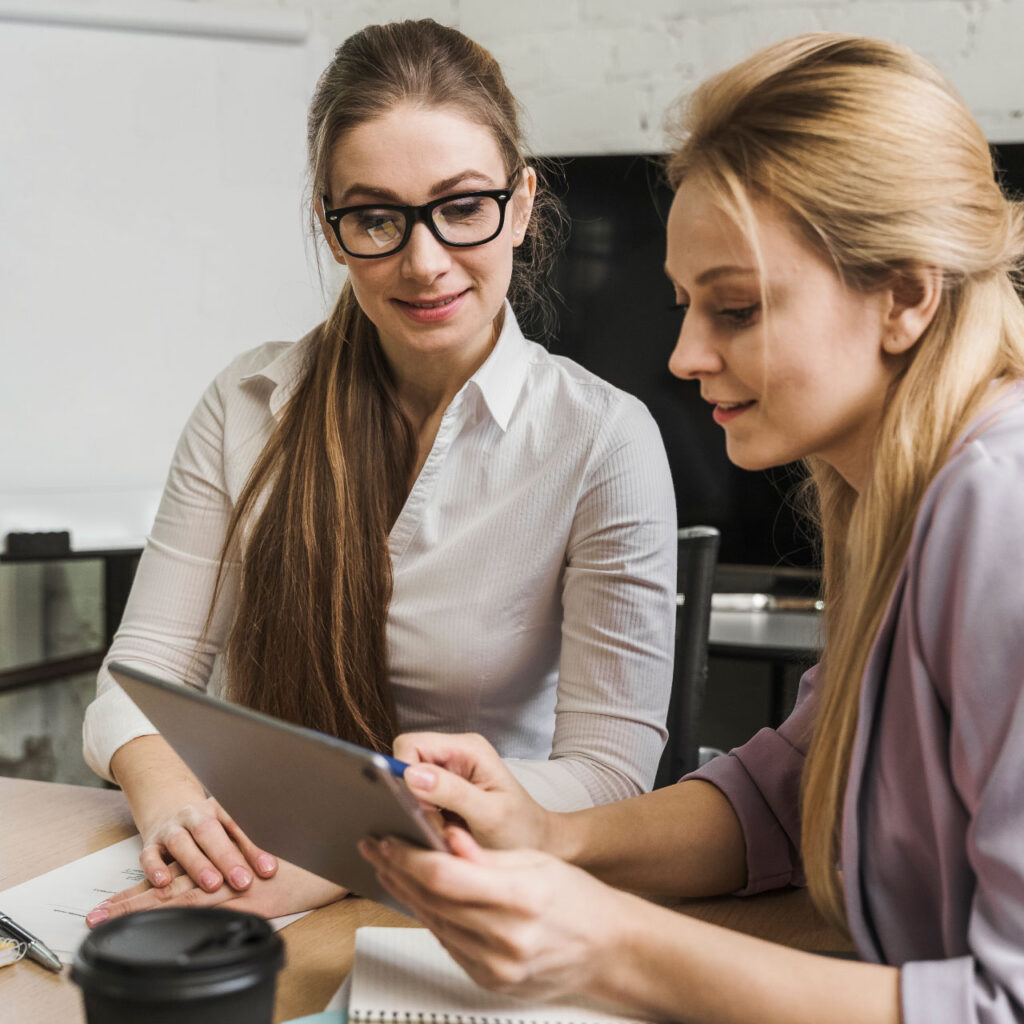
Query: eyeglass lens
(464, 220)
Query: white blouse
(534, 569)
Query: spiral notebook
(405, 975)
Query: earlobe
(914, 300)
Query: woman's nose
(424, 258)
(694, 355)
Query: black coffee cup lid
(177, 953)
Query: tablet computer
(300, 794)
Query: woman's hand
(290, 891)
(518, 921)
(206, 842)
(179, 823)
(464, 776)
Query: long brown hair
(308, 639)
(880, 164)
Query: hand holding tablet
(313, 796)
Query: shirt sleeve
(170, 597)
(761, 780)
(618, 623)
(970, 621)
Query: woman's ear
(522, 204)
(332, 242)
(914, 297)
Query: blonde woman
(415, 516)
(845, 263)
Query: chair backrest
(698, 553)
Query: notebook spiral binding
(437, 1017)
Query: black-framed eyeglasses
(373, 230)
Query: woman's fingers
(291, 890)
(463, 845)
(467, 754)
(173, 870)
(183, 846)
(264, 863)
(158, 872)
(426, 875)
(516, 920)
(465, 777)
(181, 891)
(431, 784)
(209, 846)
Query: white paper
(53, 906)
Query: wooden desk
(46, 825)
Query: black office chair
(698, 553)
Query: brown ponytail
(308, 640)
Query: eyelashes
(735, 316)
(742, 316)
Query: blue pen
(397, 767)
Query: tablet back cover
(302, 795)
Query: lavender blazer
(933, 819)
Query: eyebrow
(439, 188)
(714, 273)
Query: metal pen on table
(730, 602)
(36, 949)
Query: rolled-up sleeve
(761, 780)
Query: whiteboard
(151, 228)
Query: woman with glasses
(845, 264)
(414, 517)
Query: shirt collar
(284, 372)
(500, 379)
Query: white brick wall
(596, 75)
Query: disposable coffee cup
(180, 965)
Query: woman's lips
(724, 412)
(432, 311)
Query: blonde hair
(878, 161)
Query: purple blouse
(933, 819)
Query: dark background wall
(614, 318)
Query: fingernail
(160, 878)
(385, 847)
(97, 916)
(420, 777)
(209, 880)
(265, 864)
(240, 878)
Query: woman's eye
(461, 209)
(370, 220)
(740, 316)
(680, 307)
